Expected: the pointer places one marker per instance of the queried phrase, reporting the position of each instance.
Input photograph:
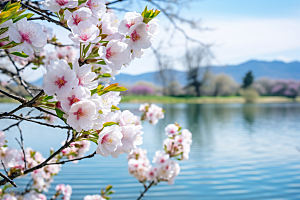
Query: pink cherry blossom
(59, 78)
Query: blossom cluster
(164, 168)
(151, 113)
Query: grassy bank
(195, 100)
(200, 100)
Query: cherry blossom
(59, 78)
(160, 157)
(66, 190)
(115, 54)
(130, 19)
(109, 23)
(2, 139)
(109, 140)
(56, 5)
(97, 7)
(81, 115)
(81, 15)
(9, 197)
(171, 130)
(139, 39)
(30, 34)
(85, 32)
(93, 197)
(75, 95)
(85, 76)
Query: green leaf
(113, 108)
(71, 65)
(103, 41)
(108, 187)
(109, 124)
(104, 75)
(101, 62)
(3, 30)
(81, 2)
(23, 55)
(59, 113)
(48, 98)
(10, 45)
(34, 68)
(6, 6)
(4, 39)
(149, 14)
(87, 48)
(28, 15)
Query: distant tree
(224, 85)
(196, 61)
(248, 80)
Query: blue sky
(241, 30)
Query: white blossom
(56, 5)
(139, 39)
(109, 140)
(97, 7)
(30, 34)
(85, 76)
(160, 157)
(171, 130)
(77, 94)
(81, 115)
(115, 54)
(109, 23)
(85, 33)
(130, 19)
(59, 78)
(93, 197)
(81, 15)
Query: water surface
(239, 151)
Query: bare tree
(196, 61)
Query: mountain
(273, 70)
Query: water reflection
(239, 151)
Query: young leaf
(28, 15)
(149, 14)
(23, 55)
(109, 124)
(59, 113)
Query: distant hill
(273, 70)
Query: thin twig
(146, 189)
(4, 167)
(75, 159)
(22, 145)
(31, 8)
(18, 73)
(7, 179)
(15, 117)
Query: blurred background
(229, 71)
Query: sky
(239, 30)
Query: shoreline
(191, 100)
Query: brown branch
(22, 144)
(43, 164)
(15, 117)
(146, 189)
(27, 104)
(65, 161)
(7, 179)
(49, 19)
(4, 167)
(18, 73)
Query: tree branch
(146, 189)
(65, 161)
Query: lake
(239, 151)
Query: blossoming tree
(76, 91)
